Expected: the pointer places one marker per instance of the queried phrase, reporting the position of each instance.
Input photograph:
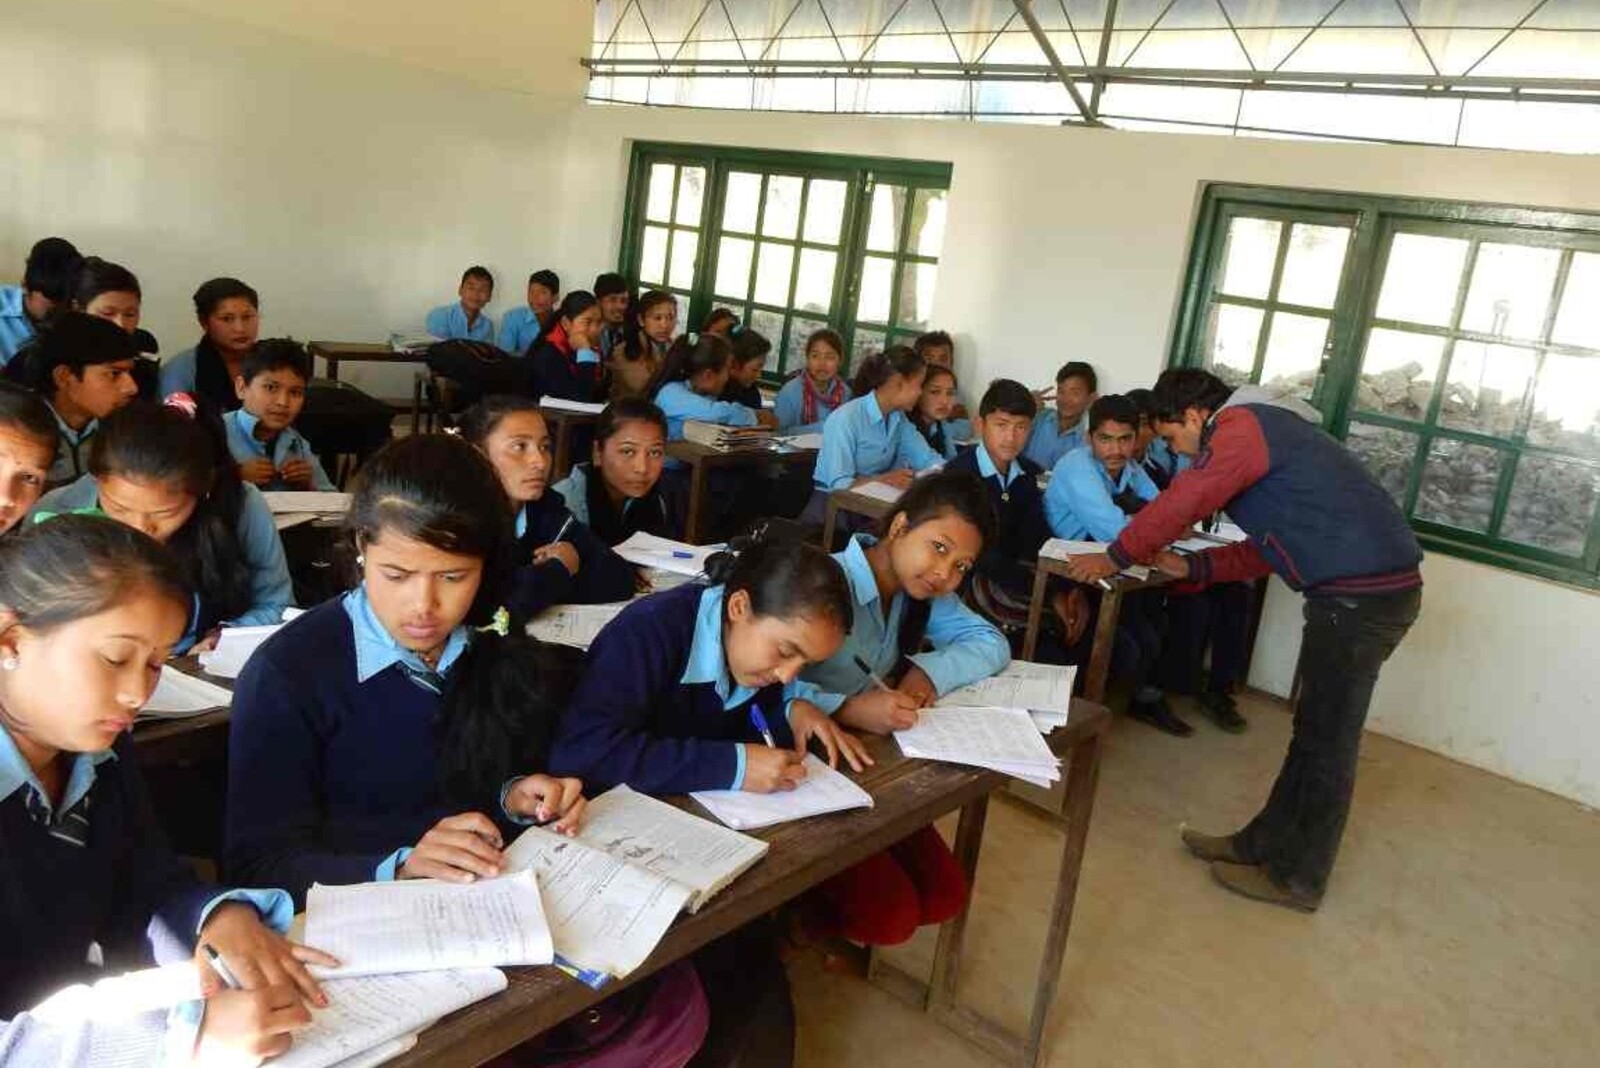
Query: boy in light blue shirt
(520, 327)
(466, 320)
(271, 454)
(47, 280)
(1053, 437)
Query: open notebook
(824, 790)
(179, 696)
(1001, 739)
(373, 1018)
(576, 625)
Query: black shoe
(1159, 715)
(1221, 710)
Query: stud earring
(9, 664)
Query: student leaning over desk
(88, 611)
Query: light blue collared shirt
(519, 329)
(1048, 443)
(789, 407)
(987, 469)
(178, 372)
(966, 647)
(288, 445)
(860, 440)
(72, 449)
(16, 329)
(450, 321)
(1078, 502)
(680, 403)
(271, 590)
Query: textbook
(823, 791)
(485, 923)
(577, 625)
(235, 646)
(375, 1017)
(179, 696)
(1000, 739)
(675, 844)
(726, 438)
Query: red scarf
(809, 397)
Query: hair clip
(183, 402)
(500, 624)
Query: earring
(9, 664)
(361, 559)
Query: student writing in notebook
(27, 448)
(618, 492)
(384, 734)
(559, 559)
(83, 367)
(164, 470)
(904, 585)
(566, 360)
(635, 361)
(466, 319)
(230, 314)
(816, 390)
(683, 689)
(262, 439)
(88, 611)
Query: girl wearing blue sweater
(386, 734)
(89, 881)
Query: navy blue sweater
(633, 721)
(603, 577)
(326, 776)
(1019, 518)
(126, 889)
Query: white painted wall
(351, 176)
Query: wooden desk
(908, 794)
(849, 500)
(359, 352)
(562, 422)
(1105, 627)
(702, 459)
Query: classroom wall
(351, 175)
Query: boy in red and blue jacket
(1325, 526)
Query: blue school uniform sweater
(655, 708)
(332, 778)
(603, 577)
(519, 329)
(290, 444)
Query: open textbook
(1001, 739)
(823, 790)
(574, 624)
(178, 696)
(413, 925)
(371, 1018)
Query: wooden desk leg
(333, 368)
(1105, 634)
(947, 953)
(1082, 775)
(563, 451)
(830, 519)
(697, 497)
(1030, 637)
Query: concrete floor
(1462, 926)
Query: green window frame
(1453, 347)
(790, 241)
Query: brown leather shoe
(1211, 846)
(1252, 881)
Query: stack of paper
(879, 491)
(178, 696)
(1045, 690)
(417, 925)
(727, 438)
(823, 790)
(562, 404)
(1001, 739)
(647, 550)
(307, 502)
(412, 343)
(1062, 549)
(235, 646)
(576, 625)
(373, 1018)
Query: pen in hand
(866, 669)
(220, 966)
(759, 722)
(562, 532)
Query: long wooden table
(333, 352)
(702, 460)
(909, 794)
(855, 502)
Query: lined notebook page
(1023, 684)
(824, 790)
(422, 924)
(1005, 739)
(371, 1011)
(678, 845)
(574, 624)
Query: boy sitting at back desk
(270, 452)
(466, 319)
(1059, 433)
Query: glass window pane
(825, 211)
(1386, 453)
(658, 202)
(1551, 504)
(1398, 372)
(1421, 279)
(1566, 405)
(683, 310)
(927, 222)
(1313, 266)
(782, 213)
(1458, 484)
(917, 281)
(1578, 321)
(813, 289)
(862, 345)
(1510, 291)
(877, 275)
(774, 265)
(739, 206)
(1248, 256)
(770, 326)
(1230, 347)
(1294, 352)
(685, 243)
(1486, 386)
(733, 267)
(883, 225)
(691, 195)
(653, 255)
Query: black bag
(478, 368)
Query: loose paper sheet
(1004, 739)
(1023, 684)
(574, 624)
(647, 550)
(823, 790)
(178, 696)
(370, 1011)
(321, 502)
(879, 491)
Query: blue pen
(759, 722)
